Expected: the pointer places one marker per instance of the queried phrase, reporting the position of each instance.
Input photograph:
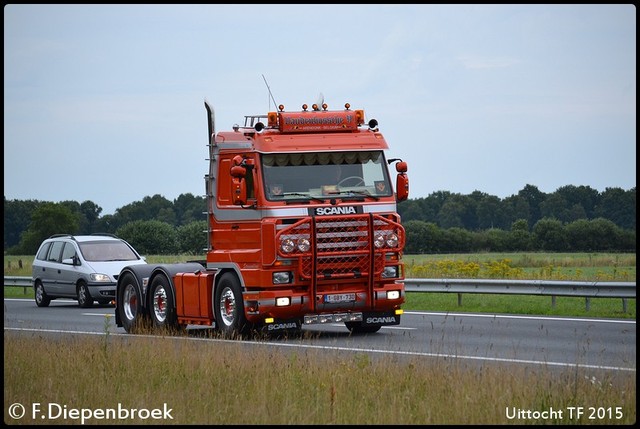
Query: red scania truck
(302, 229)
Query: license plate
(339, 298)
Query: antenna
(275, 105)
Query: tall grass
(206, 382)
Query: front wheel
(42, 300)
(84, 297)
(229, 307)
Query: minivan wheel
(42, 300)
(84, 297)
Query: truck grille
(341, 246)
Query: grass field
(231, 383)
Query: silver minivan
(81, 267)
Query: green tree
(619, 206)
(550, 235)
(583, 196)
(519, 238)
(490, 213)
(189, 208)
(156, 207)
(48, 219)
(17, 216)
(193, 237)
(593, 235)
(534, 197)
(150, 237)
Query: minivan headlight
(102, 278)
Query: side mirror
(402, 182)
(239, 185)
(402, 187)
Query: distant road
(538, 341)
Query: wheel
(42, 300)
(357, 328)
(357, 181)
(129, 305)
(163, 304)
(84, 297)
(229, 307)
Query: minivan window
(42, 254)
(68, 252)
(56, 249)
(107, 251)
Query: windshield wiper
(299, 194)
(356, 193)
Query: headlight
(390, 272)
(103, 278)
(378, 240)
(392, 240)
(281, 277)
(287, 245)
(303, 244)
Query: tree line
(573, 218)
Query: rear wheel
(129, 305)
(42, 300)
(84, 297)
(229, 307)
(163, 305)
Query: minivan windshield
(325, 174)
(104, 251)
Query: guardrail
(588, 290)
(24, 282)
(551, 288)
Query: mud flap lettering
(380, 319)
(283, 325)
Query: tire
(42, 300)
(84, 297)
(357, 328)
(163, 305)
(129, 305)
(229, 307)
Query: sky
(106, 102)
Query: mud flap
(380, 319)
(291, 325)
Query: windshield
(103, 251)
(325, 174)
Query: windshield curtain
(324, 174)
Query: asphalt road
(536, 341)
